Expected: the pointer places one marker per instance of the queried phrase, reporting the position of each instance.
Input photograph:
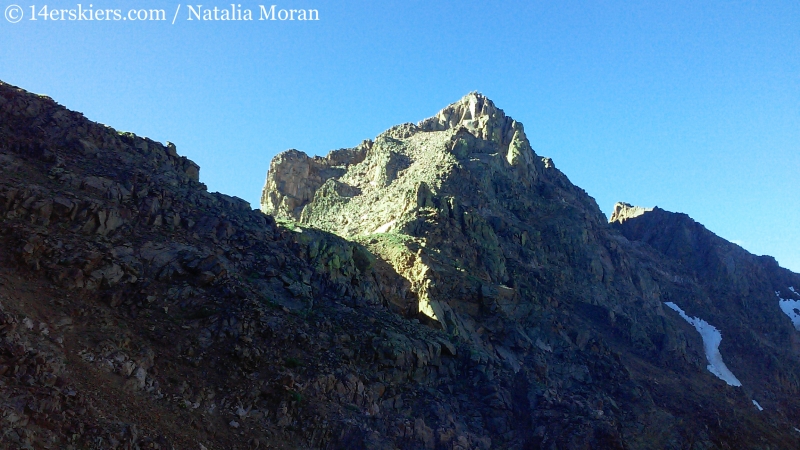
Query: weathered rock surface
(499, 251)
(470, 298)
(138, 310)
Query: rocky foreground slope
(441, 287)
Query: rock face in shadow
(738, 291)
(440, 287)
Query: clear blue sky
(693, 106)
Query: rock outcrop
(625, 211)
(445, 202)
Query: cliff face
(499, 250)
(459, 201)
(439, 287)
(742, 294)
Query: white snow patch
(711, 340)
(791, 308)
(791, 288)
(758, 406)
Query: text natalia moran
(236, 12)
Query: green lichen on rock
(453, 203)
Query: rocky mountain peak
(472, 111)
(496, 248)
(480, 117)
(457, 197)
(471, 134)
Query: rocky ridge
(141, 311)
(138, 310)
(499, 250)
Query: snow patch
(711, 340)
(791, 288)
(758, 406)
(791, 308)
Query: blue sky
(691, 106)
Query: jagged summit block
(480, 117)
(294, 177)
(472, 128)
(437, 200)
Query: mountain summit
(446, 133)
(459, 201)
